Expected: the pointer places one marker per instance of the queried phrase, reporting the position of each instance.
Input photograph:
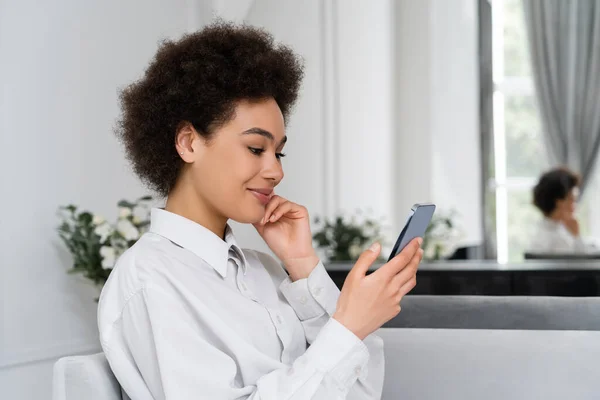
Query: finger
(407, 287)
(271, 205)
(365, 260)
(282, 210)
(396, 264)
(290, 210)
(409, 272)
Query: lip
(263, 195)
(266, 191)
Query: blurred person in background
(556, 195)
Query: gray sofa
(431, 364)
(465, 364)
(499, 312)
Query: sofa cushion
(467, 364)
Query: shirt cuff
(339, 353)
(311, 297)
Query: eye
(257, 152)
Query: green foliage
(77, 233)
(95, 244)
(344, 240)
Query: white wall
(413, 109)
(456, 130)
(437, 94)
(365, 55)
(62, 63)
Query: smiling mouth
(263, 195)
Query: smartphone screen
(416, 225)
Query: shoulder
(141, 261)
(132, 272)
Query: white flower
(104, 231)
(136, 220)
(439, 230)
(429, 251)
(447, 251)
(124, 212)
(127, 230)
(354, 251)
(108, 256)
(98, 220)
(140, 213)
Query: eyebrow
(264, 133)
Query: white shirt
(186, 315)
(552, 237)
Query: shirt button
(303, 300)
(357, 371)
(318, 291)
(279, 319)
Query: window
(518, 145)
(519, 153)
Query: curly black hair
(199, 79)
(553, 185)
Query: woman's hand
(285, 228)
(572, 226)
(369, 301)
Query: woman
(555, 196)
(187, 313)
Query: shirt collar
(196, 238)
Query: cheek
(246, 167)
(568, 206)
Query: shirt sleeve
(314, 299)
(179, 358)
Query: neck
(183, 200)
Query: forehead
(264, 114)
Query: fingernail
(420, 241)
(374, 247)
(272, 218)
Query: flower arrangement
(441, 236)
(94, 243)
(343, 238)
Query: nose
(273, 170)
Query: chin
(248, 214)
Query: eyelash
(258, 152)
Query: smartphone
(416, 225)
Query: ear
(184, 141)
